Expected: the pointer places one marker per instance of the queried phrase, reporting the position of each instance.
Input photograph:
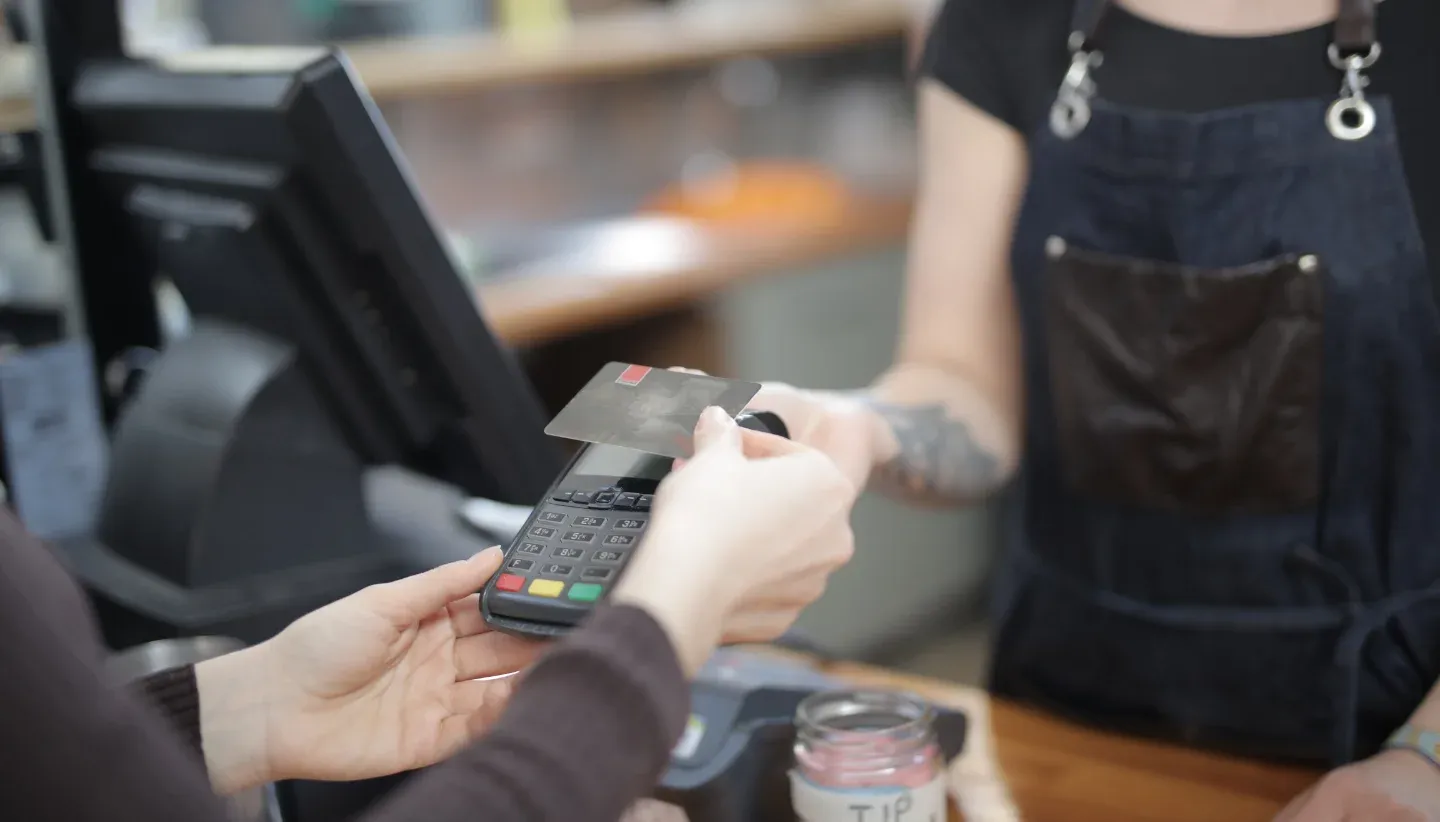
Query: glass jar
(867, 756)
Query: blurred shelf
(638, 267)
(625, 43)
(602, 46)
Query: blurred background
(722, 184)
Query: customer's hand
(1393, 786)
(837, 424)
(391, 678)
(744, 535)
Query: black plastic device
(269, 190)
(577, 541)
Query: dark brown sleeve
(619, 672)
(175, 694)
(587, 733)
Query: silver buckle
(1070, 113)
(1351, 117)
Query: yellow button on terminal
(546, 588)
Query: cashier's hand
(391, 678)
(744, 535)
(1393, 786)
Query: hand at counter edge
(394, 677)
(1391, 786)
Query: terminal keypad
(576, 545)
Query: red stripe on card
(632, 375)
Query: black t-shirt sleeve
(961, 53)
(1005, 57)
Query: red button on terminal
(510, 582)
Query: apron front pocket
(1186, 388)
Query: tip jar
(867, 756)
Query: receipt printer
(732, 762)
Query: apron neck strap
(1085, 24)
(1354, 27)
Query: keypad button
(569, 553)
(542, 532)
(604, 499)
(557, 570)
(607, 556)
(546, 588)
(510, 582)
(562, 496)
(585, 591)
(589, 522)
(579, 536)
(580, 498)
(619, 539)
(551, 516)
(625, 502)
(531, 548)
(596, 573)
(521, 564)
(629, 524)
(643, 504)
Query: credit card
(647, 409)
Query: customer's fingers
(754, 444)
(465, 618)
(812, 473)
(407, 601)
(481, 701)
(717, 432)
(760, 445)
(801, 589)
(486, 655)
(753, 627)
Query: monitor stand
(235, 505)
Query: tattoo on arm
(938, 457)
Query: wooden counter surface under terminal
(1022, 765)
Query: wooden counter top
(602, 46)
(1022, 765)
(642, 266)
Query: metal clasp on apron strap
(1351, 117)
(1070, 113)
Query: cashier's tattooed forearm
(938, 457)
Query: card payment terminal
(577, 541)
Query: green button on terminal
(585, 591)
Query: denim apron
(1226, 529)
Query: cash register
(337, 397)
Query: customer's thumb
(409, 600)
(716, 431)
